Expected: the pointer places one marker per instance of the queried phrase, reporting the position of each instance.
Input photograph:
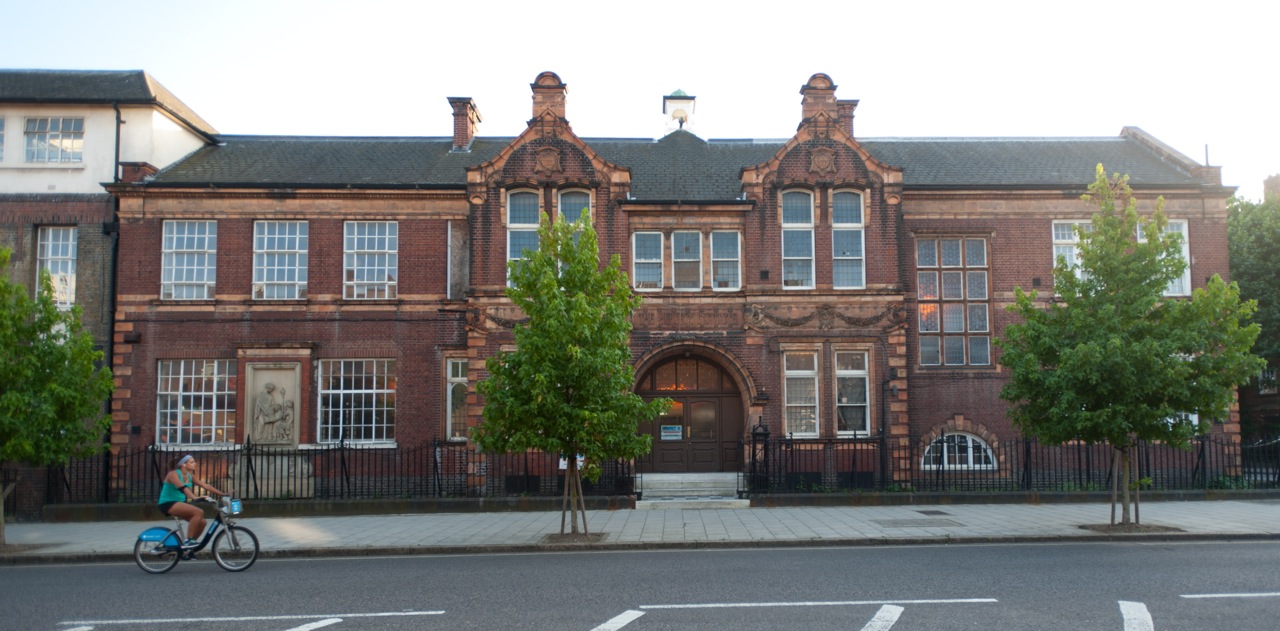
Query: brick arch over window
(730, 364)
(958, 424)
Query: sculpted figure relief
(272, 415)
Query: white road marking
(1257, 595)
(838, 603)
(316, 625)
(81, 629)
(255, 618)
(884, 619)
(619, 621)
(1136, 616)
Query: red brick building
(301, 291)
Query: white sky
(1190, 73)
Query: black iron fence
(958, 464)
(340, 471)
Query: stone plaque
(272, 403)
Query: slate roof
(678, 167)
(101, 87)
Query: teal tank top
(171, 493)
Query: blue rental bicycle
(235, 548)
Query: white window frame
(856, 374)
(790, 282)
(56, 251)
(523, 228)
(1178, 286)
(1, 139)
(370, 260)
(565, 212)
(1267, 382)
(684, 260)
(726, 271)
(952, 458)
(948, 311)
(1066, 244)
(195, 401)
(377, 398)
(648, 263)
(189, 260)
(456, 400)
(794, 409)
(53, 140)
(858, 228)
(280, 260)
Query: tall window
(371, 259)
(357, 400)
(522, 225)
(279, 260)
(686, 261)
(1066, 244)
(726, 269)
(1267, 381)
(848, 266)
(1180, 286)
(573, 206)
(646, 260)
(54, 139)
(196, 401)
(797, 240)
(457, 399)
(801, 382)
(851, 393)
(1, 139)
(189, 260)
(56, 251)
(953, 299)
(958, 451)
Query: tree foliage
(567, 387)
(52, 392)
(1253, 238)
(1108, 358)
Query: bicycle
(235, 548)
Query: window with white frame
(56, 253)
(457, 400)
(800, 370)
(1180, 286)
(686, 261)
(851, 394)
(953, 301)
(646, 260)
(1, 139)
(357, 400)
(797, 240)
(848, 266)
(371, 260)
(196, 401)
(958, 451)
(522, 225)
(280, 260)
(573, 206)
(1267, 381)
(1066, 243)
(726, 268)
(54, 139)
(189, 260)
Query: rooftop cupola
(819, 98)
(677, 108)
(549, 94)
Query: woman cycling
(177, 491)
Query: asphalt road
(1106, 586)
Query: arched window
(848, 268)
(958, 451)
(574, 205)
(522, 225)
(797, 240)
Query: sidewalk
(671, 529)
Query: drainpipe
(113, 229)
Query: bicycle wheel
(154, 557)
(235, 549)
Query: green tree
(51, 390)
(567, 387)
(1108, 358)
(1253, 238)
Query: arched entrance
(701, 430)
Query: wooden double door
(702, 430)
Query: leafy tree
(1253, 239)
(51, 390)
(566, 388)
(1108, 358)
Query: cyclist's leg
(193, 515)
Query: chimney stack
(466, 117)
(549, 94)
(819, 97)
(845, 110)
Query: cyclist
(177, 492)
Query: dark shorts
(164, 507)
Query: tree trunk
(4, 495)
(582, 504)
(1115, 475)
(1124, 483)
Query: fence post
(1026, 464)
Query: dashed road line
(1136, 616)
(1242, 595)
(319, 624)
(619, 621)
(884, 619)
(835, 603)
(135, 621)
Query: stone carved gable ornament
(547, 160)
(822, 161)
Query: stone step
(688, 485)
(700, 503)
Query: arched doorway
(702, 429)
